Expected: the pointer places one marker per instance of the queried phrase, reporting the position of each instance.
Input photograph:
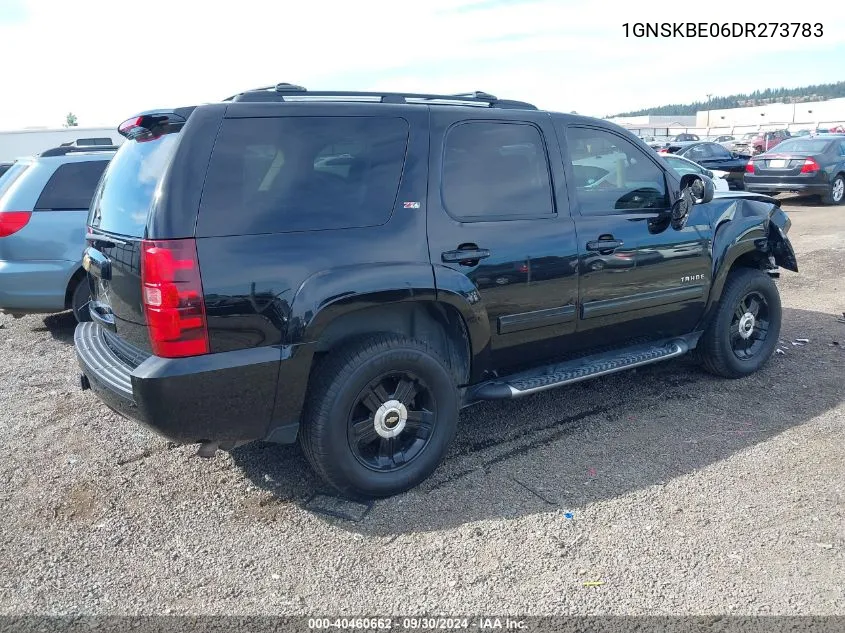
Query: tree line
(820, 92)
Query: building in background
(790, 115)
(655, 121)
(15, 144)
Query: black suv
(351, 269)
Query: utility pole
(708, 111)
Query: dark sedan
(813, 165)
(713, 156)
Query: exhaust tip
(84, 382)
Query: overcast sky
(106, 59)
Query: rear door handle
(604, 245)
(464, 255)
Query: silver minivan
(44, 204)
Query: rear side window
(496, 170)
(71, 186)
(276, 175)
(126, 191)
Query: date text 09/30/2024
(417, 623)
(723, 29)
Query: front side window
(496, 170)
(611, 174)
(285, 174)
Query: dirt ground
(660, 491)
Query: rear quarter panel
(37, 262)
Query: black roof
(290, 92)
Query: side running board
(557, 375)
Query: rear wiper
(108, 242)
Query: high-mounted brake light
(150, 126)
(129, 124)
(13, 221)
(173, 300)
(810, 166)
(749, 167)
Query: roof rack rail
(292, 92)
(78, 149)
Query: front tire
(744, 332)
(381, 413)
(836, 193)
(79, 301)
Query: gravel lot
(683, 493)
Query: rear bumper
(796, 184)
(221, 397)
(34, 286)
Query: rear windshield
(12, 174)
(274, 175)
(126, 191)
(803, 146)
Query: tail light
(173, 299)
(13, 221)
(663, 150)
(749, 167)
(810, 166)
(523, 268)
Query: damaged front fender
(777, 244)
(749, 231)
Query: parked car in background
(724, 139)
(813, 165)
(664, 142)
(683, 166)
(44, 202)
(764, 141)
(715, 156)
(743, 144)
(243, 289)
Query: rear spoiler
(150, 125)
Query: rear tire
(355, 434)
(79, 301)
(744, 332)
(836, 193)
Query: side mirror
(699, 187)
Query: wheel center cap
(390, 419)
(746, 325)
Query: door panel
(641, 275)
(498, 202)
